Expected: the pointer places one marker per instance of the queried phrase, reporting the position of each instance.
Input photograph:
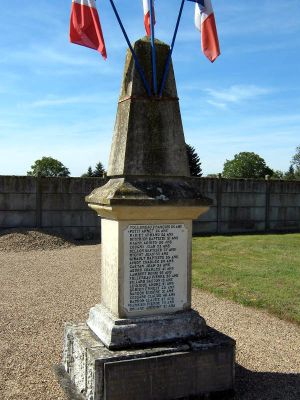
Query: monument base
(176, 371)
(131, 332)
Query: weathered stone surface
(148, 206)
(166, 372)
(149, 191)
(130, 332)
(150, 187)
(148, 163)
(148, 137)
(132, 84)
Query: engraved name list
(155, 267)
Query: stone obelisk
(143, 340)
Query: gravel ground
(41, 289)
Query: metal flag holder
(153, 51)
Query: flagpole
(138, 66)
(153, 51)
(168, 62)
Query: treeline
(48, 166)
(251, 165)
(243, 165)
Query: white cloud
(234, 94)
(52, 101)
(56, 59)
(221, 106)
(56, 102)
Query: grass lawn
(255, 270)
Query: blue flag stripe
(201, 2)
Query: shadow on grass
(252, 385)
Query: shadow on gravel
(66, 384)
(249, 386)
(266, 385)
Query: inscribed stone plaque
(155, 267)
(170, 376)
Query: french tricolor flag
(147, 16)
(206, 24)
(85, 27)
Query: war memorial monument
(143, 341)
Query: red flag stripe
(210, 42)
(147, 16)
(85, 27)
(147, 23)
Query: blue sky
(58, 99)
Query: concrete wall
(239, 205)
(248, 205)
(55, 204)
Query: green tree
(290, 174)
(246, 165)
(296, 162)
(48, 166)
(194, 161)
(99, 170)
(278, 174)
(88, 174)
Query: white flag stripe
(201, 14)
(197, 17)
(89, 3)
(146, 6)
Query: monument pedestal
(145, 279)
(118, 333)
(172, 371)
(143, 341)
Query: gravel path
(41, 289)
(268, 349)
